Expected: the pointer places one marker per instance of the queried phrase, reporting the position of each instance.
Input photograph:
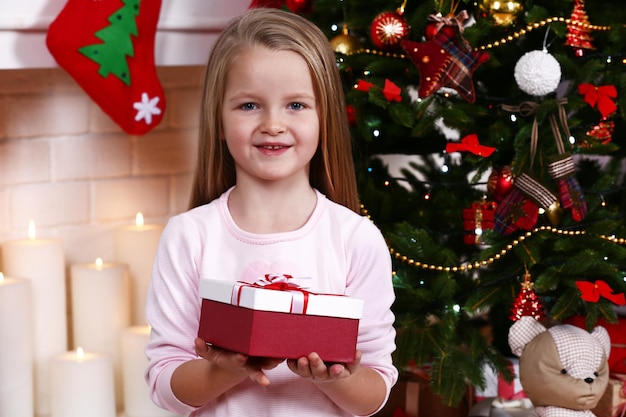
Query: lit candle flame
(99, 264)
(80, 353)
(139, 219)
(1, 277)
(31, 230)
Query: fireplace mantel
(186, 31)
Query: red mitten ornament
(571, 195)
(107, 46)
(520, 208)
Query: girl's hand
(237, 363)
(315, 368)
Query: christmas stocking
(570, 194)
(562, 170)
(520, 208)
(107, 46)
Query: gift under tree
(439, 84)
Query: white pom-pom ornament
(537, 73)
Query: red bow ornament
(602, 96)
(470, 144)
(592, 291)
(391, 91)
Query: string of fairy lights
(503, 253)
(521, 32)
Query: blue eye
(296, 106)
(248, 106)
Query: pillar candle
(42, 261)
(136, 246)
(100, 306)
(137, 402)
(82, 385)
(16, 348)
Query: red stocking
(107, 46)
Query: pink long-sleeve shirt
(340, 251)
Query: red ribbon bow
(602, 96)
(278, 282)
(390, 90)
(591, 292)
(470, 144)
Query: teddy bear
(563, 369)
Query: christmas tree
(509, 120)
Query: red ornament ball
(388, 29)
(299, 6)
(500, 182)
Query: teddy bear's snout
(588, 380)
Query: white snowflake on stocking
(146, 108)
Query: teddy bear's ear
(522, 332)
(602, 335)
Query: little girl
(274, 192)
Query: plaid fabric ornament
(520, 208)
(562, 170)
(446, 60)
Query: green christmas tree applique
(111, 55)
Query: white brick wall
(67, 166)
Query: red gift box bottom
(277, 335)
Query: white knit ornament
(537, 73)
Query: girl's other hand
(234, 362)
(315, 368)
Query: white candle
(136, 245)
(137, 402)
(42, 261)
(16, 348)
(101, 310)
(82, 385)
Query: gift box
(413, 396)
(613, 402)
(278, 319)
(478, 217)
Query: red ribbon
(602, 96)
(470, 144)
(278, 283)
(390, 90)
(591, 292)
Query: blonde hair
(332, 167)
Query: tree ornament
(561, 169)
(504, 13)
(276, 4)
(470, 144)
(108, 50)
(389, 28)
(600, 96)
(299, 6)
(476, 219)
(499, 183)
(578, 29)
(446, 60)
(345, 43)
(602, 132)
(527, 303)
(520, 208)
(537, 73)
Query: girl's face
(269, 116)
